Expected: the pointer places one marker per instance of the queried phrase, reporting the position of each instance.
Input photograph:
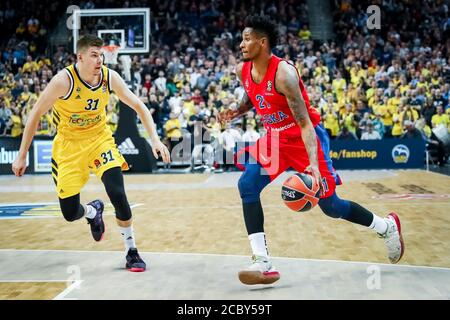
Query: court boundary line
(62, 295)
(31, 217)
(437, 173)
(25, 281)
(230, 255)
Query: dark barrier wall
(134, 148)
(378, 154)
(9, 148)
(371, 154)
(136, 151)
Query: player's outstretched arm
(287, 83)
(244, 106)
(58, 87)
(129, 98)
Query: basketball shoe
(393, 238)
(134, 261)
(97, 224)
(260, 271)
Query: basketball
(300, 192)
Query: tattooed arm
(244, 106)
(287, 83)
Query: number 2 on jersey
(262, 103)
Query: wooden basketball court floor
(190, 230)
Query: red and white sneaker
(260, 271)
(393, 238)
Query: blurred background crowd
(367, 84)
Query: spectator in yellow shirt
(396, 99)
(376, 104)
(188, 105)
(44, 61)
(214, 127)
(112, 119)
(348, 119)
(25, 96)
(30, 65)
(331, 123)
(329, 105)
(3, 89)
(320, 70)
(225, 80)
(436, 80)
(20, 30)
(304, 33)
(339, 84)
(45, 127)
(173, 130)
(10, 81)
(372, 90)
(397, 128)
(404, 86)
(16, 123)
(440, 118)
(409, 113)
(396, 79)
(180, 79)
(357, 74)
(422, 83)
(373, 67)
(387, 113)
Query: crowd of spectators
(366, 83)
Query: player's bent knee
(248, 189)
(330, 211)
(72, 214)
(119, 200)
(123, 215)
(334, 207)
(71, 208)
(252, 182)
(118, 197)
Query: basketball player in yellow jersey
(79, 95)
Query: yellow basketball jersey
(81, 113)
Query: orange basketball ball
(300, 192)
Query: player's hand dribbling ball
(300, 192)
(227, 115)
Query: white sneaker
(260, 271)
(393, 238)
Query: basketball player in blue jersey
(84, 143)
(273, 86)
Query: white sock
(90, 212)
(378, 224)
(258, 244)
(128, 237)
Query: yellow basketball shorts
(73, 160)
